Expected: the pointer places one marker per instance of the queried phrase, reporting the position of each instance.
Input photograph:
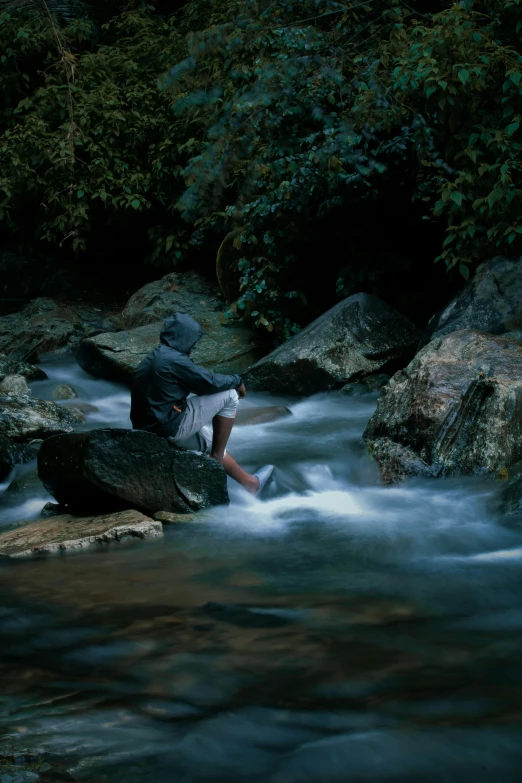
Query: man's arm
(199, 380)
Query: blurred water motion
(336, 631)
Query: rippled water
(336, 631)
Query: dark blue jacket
(167, 376)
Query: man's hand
(241, 391)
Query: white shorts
(195, 430)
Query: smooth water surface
(335, 631)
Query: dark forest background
(300, 150)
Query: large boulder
(22, 418)
(226, 349)
(64, 533)
(456, 409)
(490, 302)
(358, 337)
(129, 468)
(176, 292)
(45, 326)
(10, 366)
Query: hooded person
(175, 398)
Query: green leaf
(511, 129)
(430, 90)
(464, 271)
(463, 75)
(457, 198)
(80, 193)
(135, 203)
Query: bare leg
(232, 469)
(222, 427)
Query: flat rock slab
(115, 356)
(358, 337)
(455, 410)
(66, 533)
(114, 468)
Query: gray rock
(14, 367)
(66, 533)
(358, 337)
(128, 468)
(490, 302)
(456, 409)
(176, 292)
(13, 453)
(14, 384)
(115, 356)
(64, 392)
(45, 326)
(22, 418)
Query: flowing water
(335, 631)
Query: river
(334, 631)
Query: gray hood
(181, 332)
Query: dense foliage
(284, 122)
(86, 135)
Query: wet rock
(397, 462)
(370, 384)
(129, 468)
(65, 533)
(490, 302)
(27, 485)
(14, 384)
(14, 367)
(176, 292)
(13, 453)
(261, 415)
(52, 510)
(22, 418)
(64, 392)
(358, 337)
(456, 409)
(45, 326)
(226, 349)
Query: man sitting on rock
(160, 401)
